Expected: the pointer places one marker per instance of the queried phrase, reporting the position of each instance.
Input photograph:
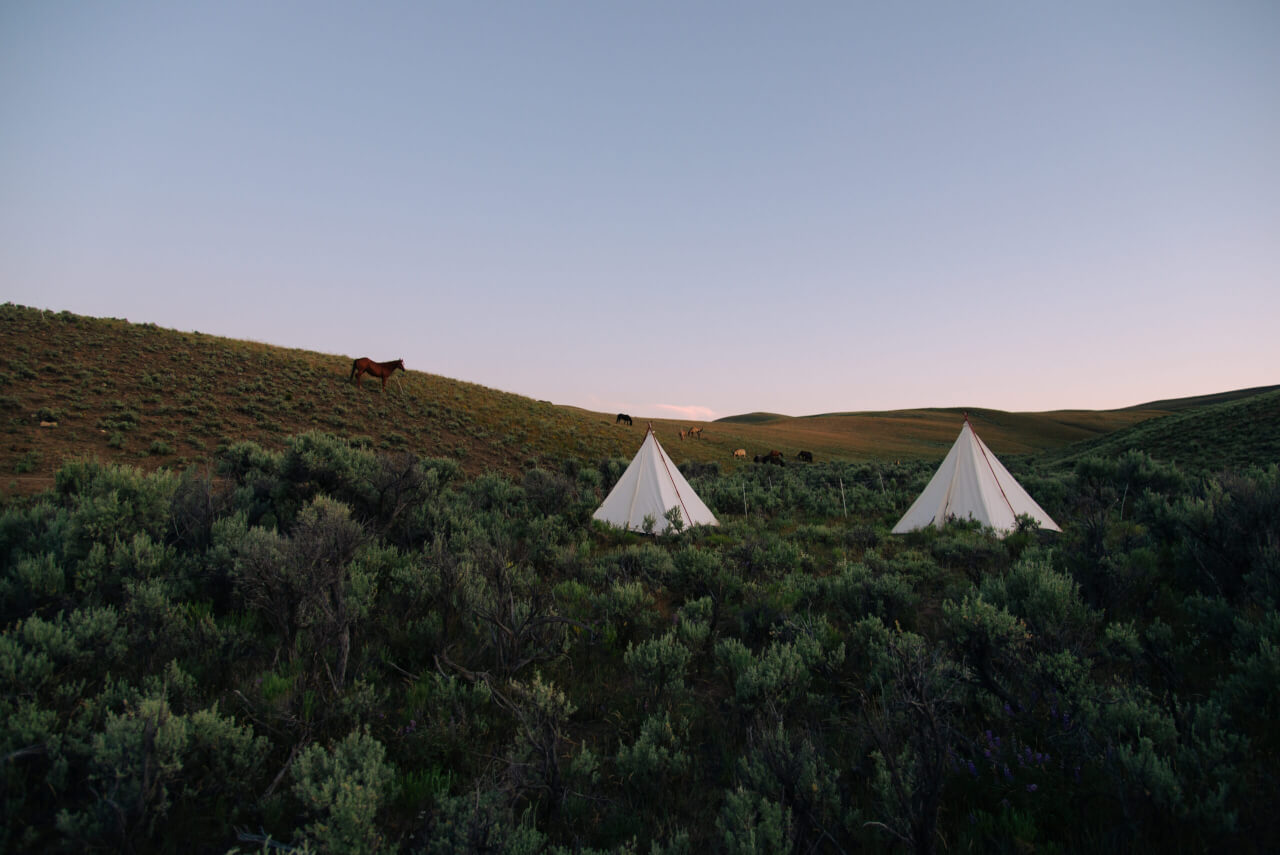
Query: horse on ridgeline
(381, 370)
(623, 417)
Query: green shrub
(1049, 602)
(652, 766)
(789, 769)
(343, 788)
(478, 822)
(28, 462)
(752, 824)
(659, 664)
(153, 777)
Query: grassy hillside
(930, 432)
(1238, 433)
(1178, 404)
(111, 390)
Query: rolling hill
(107, 389)
(1228, 432)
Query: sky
(672, 209)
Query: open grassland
(930, 432)
(114, 391)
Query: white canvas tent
(972, 483)
(651, 486)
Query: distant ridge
(1168, 405)
(1241, 431)
(1175, 404)
(751, 419)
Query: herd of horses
(382, 370)
(775, 458)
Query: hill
(75, 386)
(1177, 404)
(928, 433)
(1237, 433)
(107, 389)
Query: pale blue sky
(721, 207)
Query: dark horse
(623, 417)
(381, 370)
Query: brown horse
(695, 433)
(381, 370)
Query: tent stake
(843, 506)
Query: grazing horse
(740, 453)
(774, 458)
(806, 456)
(695, 433)
(623, 417)
(381, 370)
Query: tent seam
(982, 446)
(662, 455)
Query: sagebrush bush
(354, 649)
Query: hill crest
(76, 387)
